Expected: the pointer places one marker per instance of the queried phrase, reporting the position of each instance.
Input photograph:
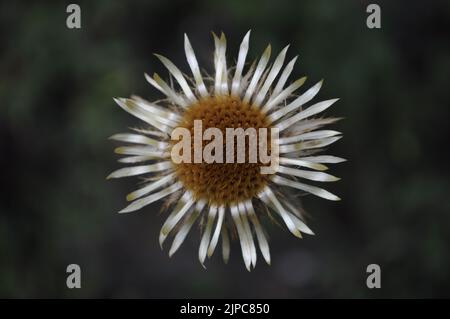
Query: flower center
(224, 183)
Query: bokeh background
(56, 113)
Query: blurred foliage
(56, 88)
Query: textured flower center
(223, 183)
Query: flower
(228, 198)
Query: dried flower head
(228, 197)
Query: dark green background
(56, 89)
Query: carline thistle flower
(228, 199)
